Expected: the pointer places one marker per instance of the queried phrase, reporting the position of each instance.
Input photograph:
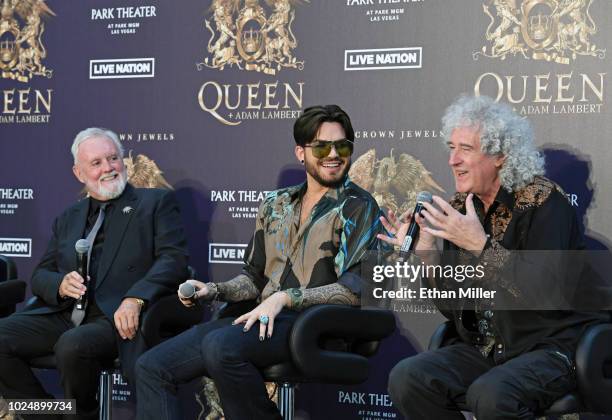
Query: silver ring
(264, 319)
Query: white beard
(114, 189)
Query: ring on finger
(264, 319)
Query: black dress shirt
(96, 252)
(535, 217)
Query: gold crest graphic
(21, 47)
(249, 38)
(551, 30)
(143, 172)
(210, 403)
(393, 183)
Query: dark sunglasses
(321, 149)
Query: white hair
(95, 132)
(502, 131)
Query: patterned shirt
(326, 249)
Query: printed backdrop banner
(204, 95)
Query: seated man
(502, 363)
(138, 253)
(307, 247)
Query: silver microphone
(188, 291)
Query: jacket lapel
(114, 230)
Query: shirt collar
(504, 197)
(336, 193)
(94, 204)
(332, 193)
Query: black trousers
(438, 384)
(224, 353)
(78, 351)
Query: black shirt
(535, 217)
(98, 245)
(92, 216)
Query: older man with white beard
(138, 253)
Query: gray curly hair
(502, 131)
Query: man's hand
(72, 286)
(270, 307)
(202, 292)
(398, 227)
(465, 231)
(127, 318)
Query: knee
(69, 348)
(147, 366)
(492, 398)
(404, 380)
(221, 347)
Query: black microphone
(413, 229)
(82, 248)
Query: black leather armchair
(12, 291)
(593, 371)
(329, 344)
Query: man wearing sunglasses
(307, 249)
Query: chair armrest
(12, 292)
(320, 322)
(166, 318)
(593, 355)
(163, 319)
(440, 335)
(8, 269)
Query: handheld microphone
(82, 248)
(188, 291)
(413, 229)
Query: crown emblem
(250, 38)
(551, 30)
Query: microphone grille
(82, 246)
(424, 197)
(187, 290)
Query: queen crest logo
(551, 30)
(249, 38)
(21, 47)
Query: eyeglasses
(321, 149)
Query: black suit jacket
(144, 256)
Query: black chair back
(8, 269)
(12, 291)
